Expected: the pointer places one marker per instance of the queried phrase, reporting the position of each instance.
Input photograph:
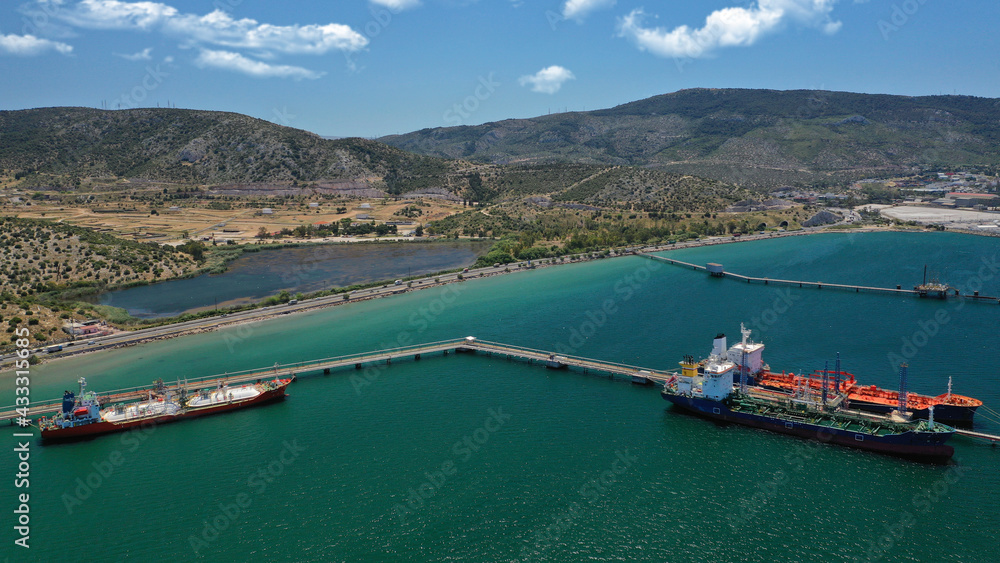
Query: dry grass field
(196, 220)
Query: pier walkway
(635, 374)
(720, 273)
(980, 435)
(356, 361)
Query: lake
(256, 275)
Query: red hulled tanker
(82, 416)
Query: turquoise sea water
(515, 462)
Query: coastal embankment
(139, 336)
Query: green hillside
(751, 137)
(66, 147)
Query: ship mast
(902, 388)
(743, 359)
(826, 369)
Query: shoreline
(127, 339)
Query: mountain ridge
(195, 147)
(748, 136)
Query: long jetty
(469, 344)
(716, 270)
(358, 361)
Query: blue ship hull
(923, 446)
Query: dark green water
(687, 490)
(257, 275)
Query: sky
(377, 67)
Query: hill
(50, 267)
(70, 147)
(138, 153)
(751, 137)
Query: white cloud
(27, 45)
(548, 80)
(112, 14)
(578, 9)
(228, 60)
(728, 27)
(143, 55)
(397, 5)
(216, 28)
(220, 28)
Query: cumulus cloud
(27, 45)
(143, 55)
(220, 28)
(228, 60)
(111, 14)
(217, 27)
(216, 34)
(578, 9)
(397, 5)
(728, 27)
(548, 80)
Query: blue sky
(375, 67)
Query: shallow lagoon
(256, 275)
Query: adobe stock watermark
(920, 503)
(235, 335)
(106, 467)
(554, 18)
(258, 482)
(927, 329)
(462, 451)
(783, 301)
(150, 82)
(749, 507)
(460, 111)
(623, 291)
(40, 18)
(592, 490)
(225, 5)
(283, 116)
(899, 16)
(419, 321)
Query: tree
(194, 248)
(261, 233)
(420, 231)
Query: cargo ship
(949, 408)
(706, 388)
(81, 416)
